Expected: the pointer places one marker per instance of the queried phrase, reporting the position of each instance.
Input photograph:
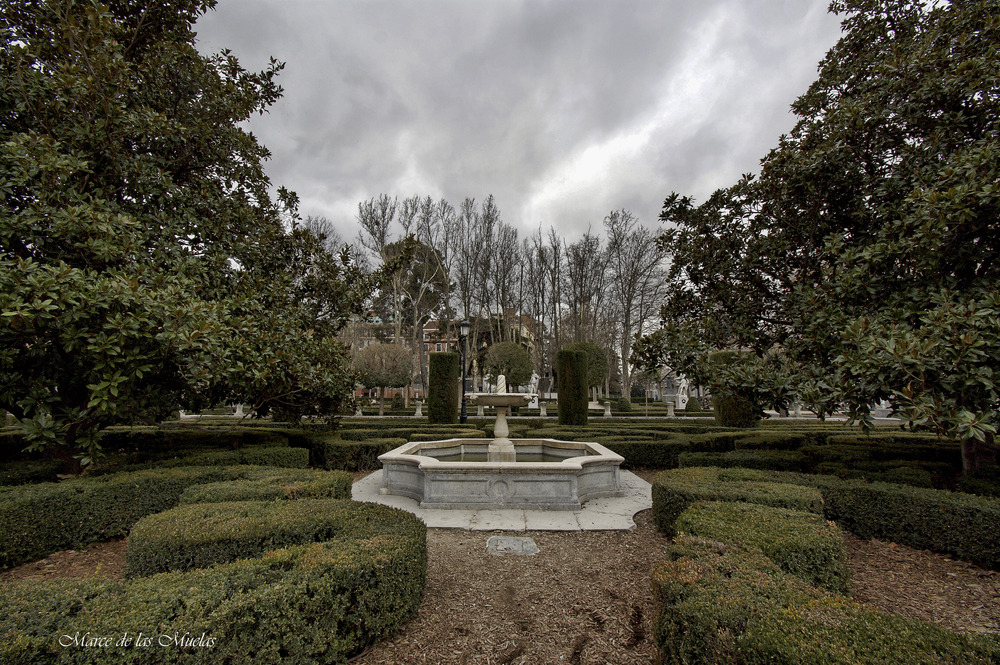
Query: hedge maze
(248, 536)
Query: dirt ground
(585, 597)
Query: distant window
(427, 335)
(426, 347)
(437, 347)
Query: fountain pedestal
(501, 448)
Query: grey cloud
(520, 98)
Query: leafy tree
(866, 248)
(383, 366)
(510, 359)
(143, 264)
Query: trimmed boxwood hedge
(295, 458)
(735, 411)
(801, 543)
(965, 525)
(204, 534)
(355, 455)
(721, 603)
(48, 517)
(411, 433)
(272, 484)
(961, 524)
(30, 471)
(674, 491)
(644, 454)
(312, 603)
(779, 460)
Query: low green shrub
(356, 455)
(166, 439)
(801, 543)
(266, 484)
(30, 471)
(771, 441)
(961, 524)
(855, 453)
(644, 453)
(779, 460)
(296, 458)
(693, 406)
(48, 517)
(952, 522)
(456, 433)
(984, 482)
(719, 603)
(362, 434)
(714, 442)
(313, 603)
(735, 411)
(204, 534)
(906, 475)
(674, 491)
(917, 474)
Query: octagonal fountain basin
(545, 475)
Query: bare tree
(636, 281)
(427, 284)
(323, 229)
(464, 253)
(376, 217)
(504, 269)
(554, 274)
(586, 265)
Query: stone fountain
(501, 448)
(541, 474)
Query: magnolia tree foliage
(143, 264)
(383, 366)
(864, 256)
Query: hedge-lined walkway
(483, 608)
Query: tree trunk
(977, 454)
(381, 401)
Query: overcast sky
(563, 109)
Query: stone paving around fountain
(611, 513)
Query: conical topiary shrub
(571, 375)
(443, 388)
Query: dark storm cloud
(563, 110)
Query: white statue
(533, 384)
(682, 393)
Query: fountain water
(541, 474)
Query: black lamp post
(463, 334)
